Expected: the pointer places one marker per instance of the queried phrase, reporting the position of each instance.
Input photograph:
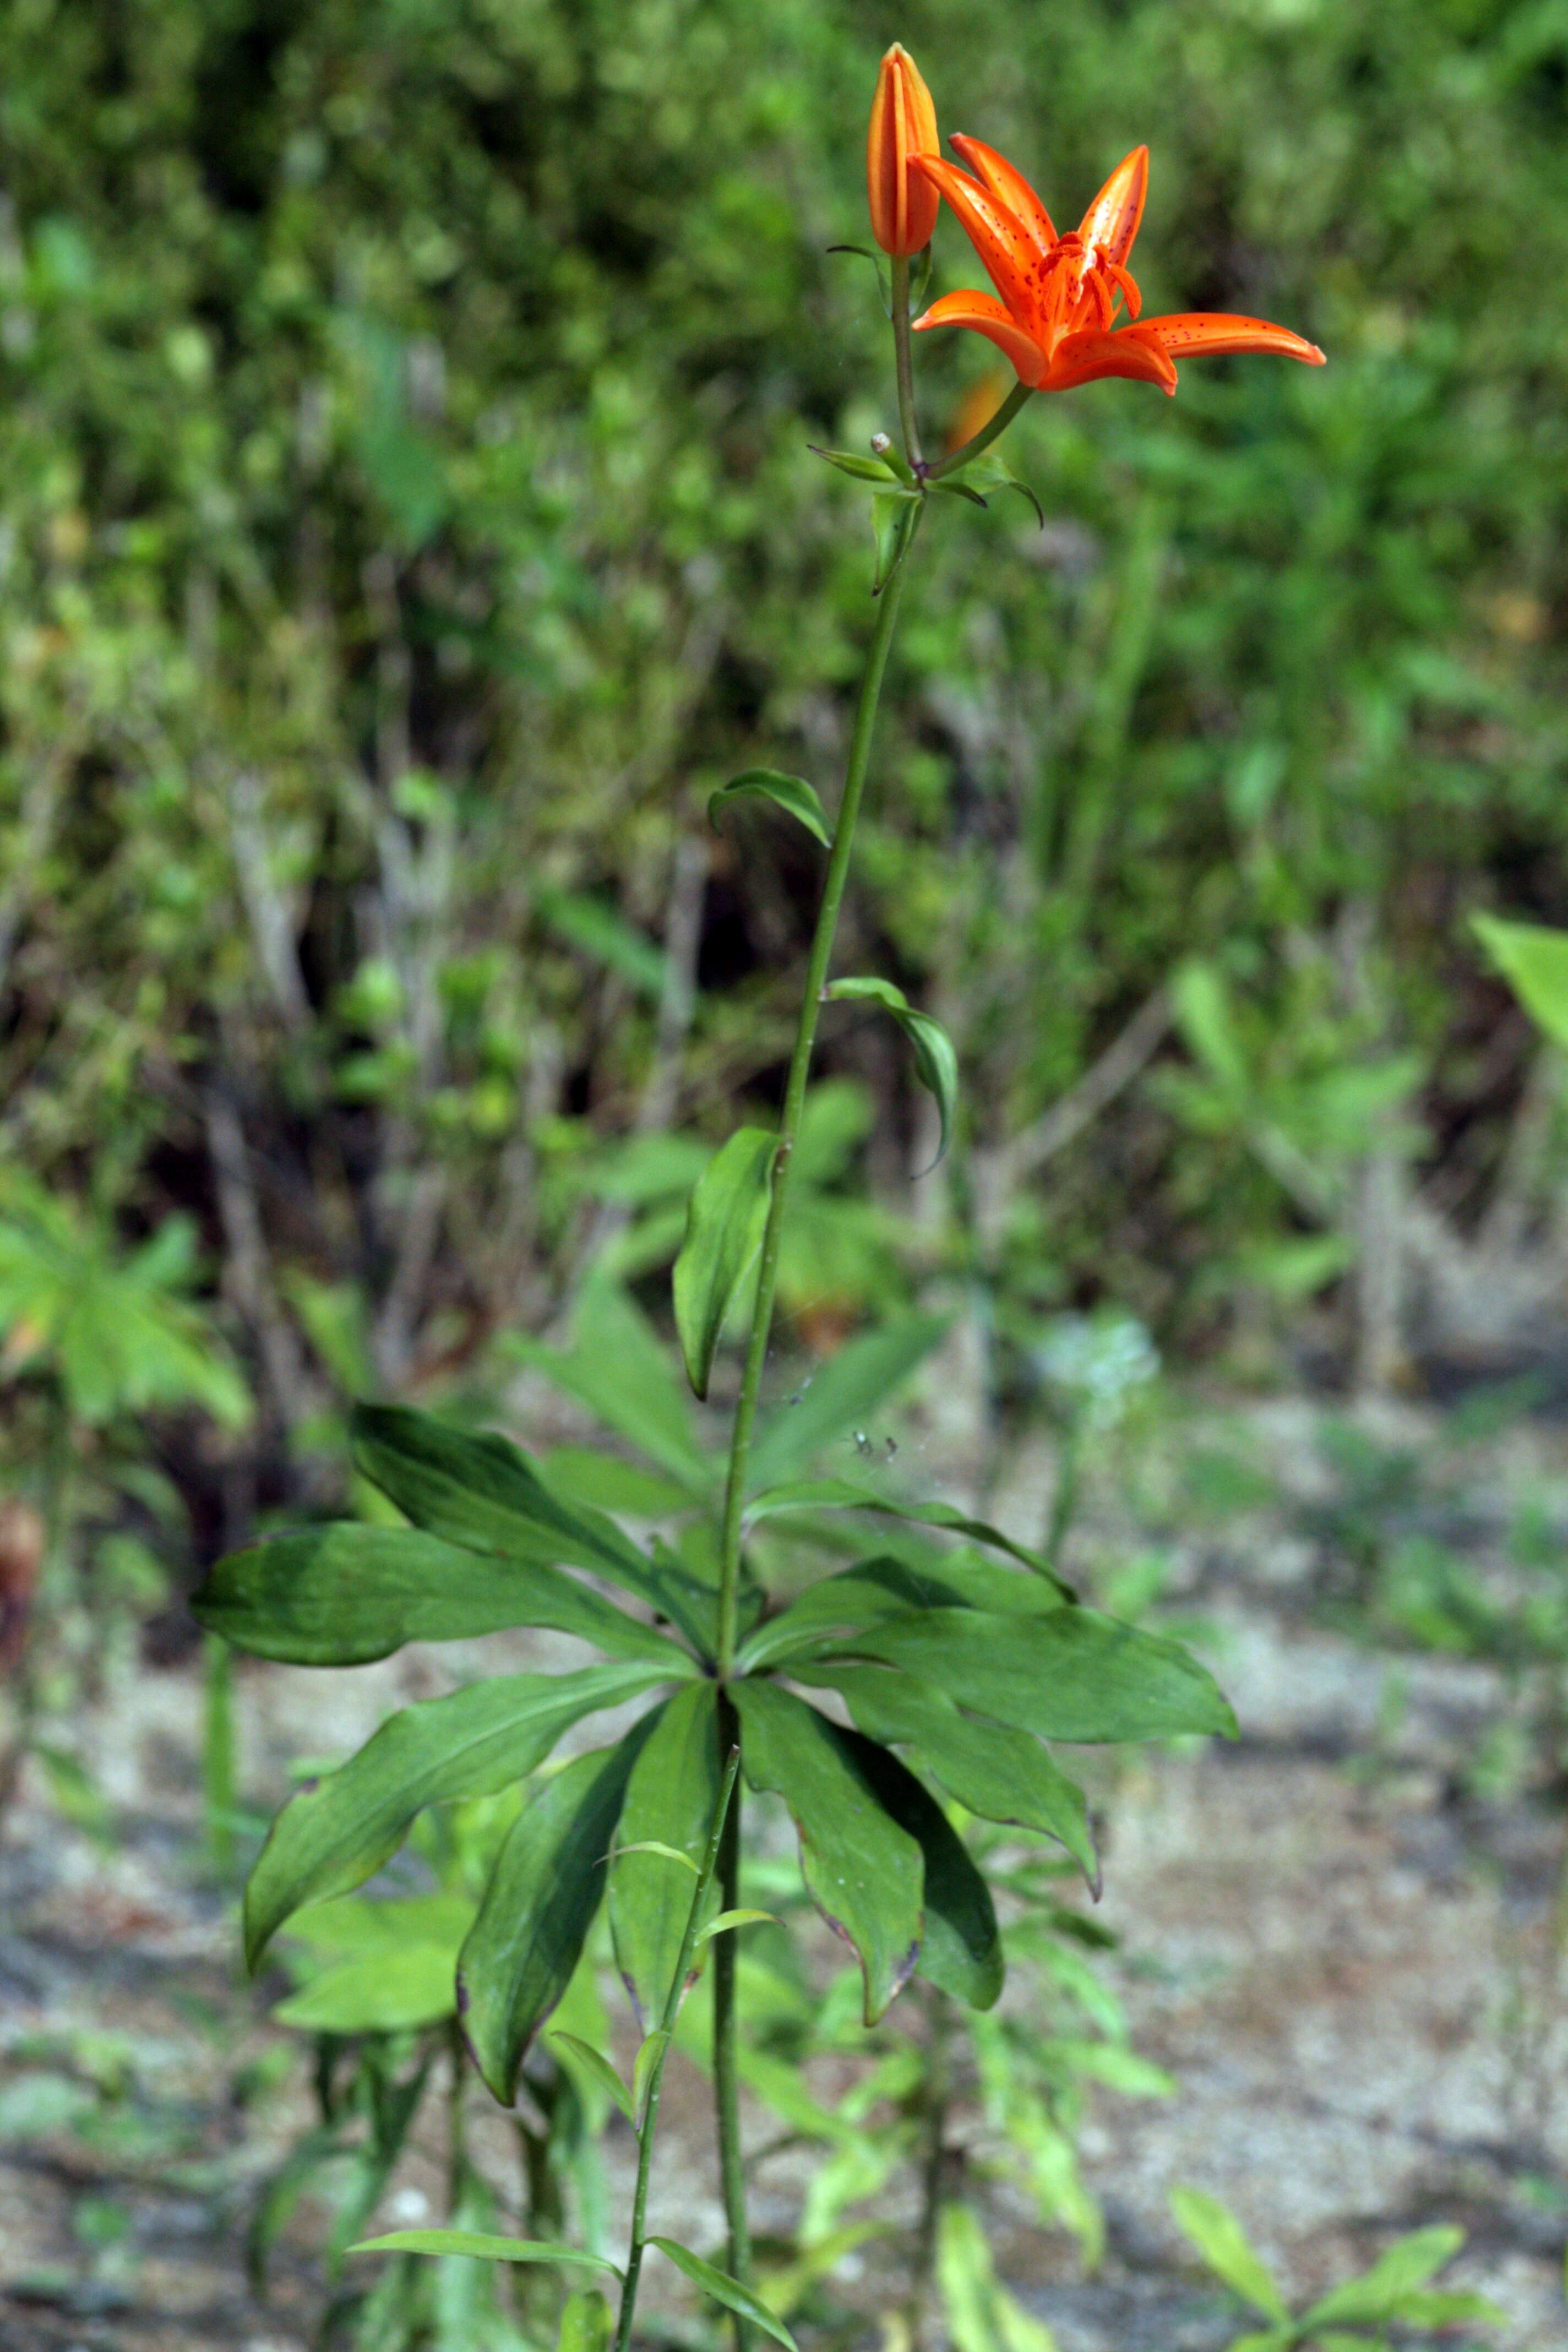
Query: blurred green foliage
(405, 524)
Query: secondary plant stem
(649, 2119)
(1017, 399)
(795, 1099)
(903, 363)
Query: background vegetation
(404, 521)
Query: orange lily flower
(903, 126)
(1061, 295)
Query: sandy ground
(1336, 1935)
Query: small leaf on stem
(791, 794)
(726, 2290)
(936, 1063)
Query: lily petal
(1080, 359)
(1112, 222)
(1009, 185)
(1192, 332)
(988, 317)
(1004, 245)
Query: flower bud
(881, 444)
(903, 125)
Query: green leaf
(339, 1830)
(483, 2248)
(844, 1495)
(656, 1845)
(955, 488)
(342, 1595)
(670, 1797)
(642, 2070)
(966, 2279)
(618, 1368)
(791, 794)
(484, 1493)
(961, 1946)
(842, 1396)
(893, 513)
(599, 2066)
(1439, 2307)
(887, 1587)
(856, 1596)
(1380, 2293)
(1533, 959)
(936, 1063)
(723, 1236)
(580, 1475)
(1068, 1675)
(725, 2290)
(547, 1884)
(728, 1919)
(862, 470)
(355, 1926)
(1220, 2239)
(391, 1992)
(586, 2323)
(997, 1771)
(863, 1871)
(990, 471)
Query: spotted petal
(1193, 332)
(1009, 185)
(1112, 222)
(1080, 359)
(1004, 245)
(991, 318)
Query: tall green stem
(726, 2076)
(795, 1099)
(717, 1837)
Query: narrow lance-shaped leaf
(961, 1946)
(586, 2323)
(848, 461)
(791, 794)
(862, 1870)
(389, 1992)
(990, 471)
(338, 1830)
(547, 1884)
(1379, 2295)
(483, 1492)
(893, 513)
(1225, 2246)
(1071, 1674)
(1533, 959)
(483, 2248)
(343, 1594)
(725, 2290)
(936, 1063)
(597, 2065)
(844, 1495)
(673, 1790)
(723, 1236)
(857, 1596)
(997, 1770)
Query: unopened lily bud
(903, 125)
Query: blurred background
(406, 522)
